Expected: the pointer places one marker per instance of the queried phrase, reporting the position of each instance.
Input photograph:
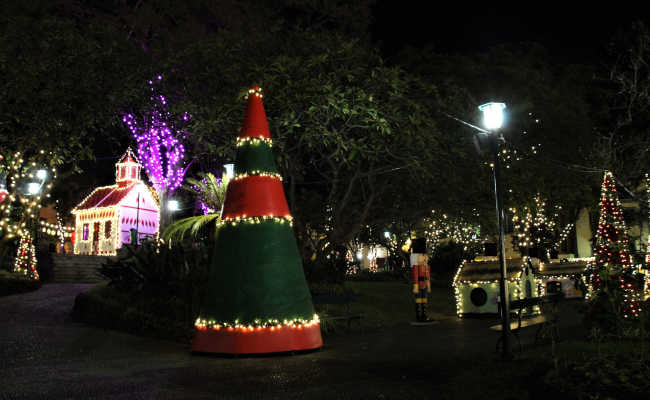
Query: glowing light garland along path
(257, 244)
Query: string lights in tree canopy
(159, 135)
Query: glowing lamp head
(492, 115)
(172, 205)
(33, 188)
(230, 170)
(41, 174)
(387, 235)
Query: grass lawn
(382, 304)
(385, 304)
(575, 368)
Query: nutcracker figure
(421, 277)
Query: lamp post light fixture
(493, 120)
(492, 115)
(230, 170)
(41, 174)
(33, 188)
(34, 185)
(173, 205)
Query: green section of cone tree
(254, 157)
(256, 274)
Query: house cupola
(127, 169)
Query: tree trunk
(163, 211)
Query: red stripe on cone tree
(258, 300)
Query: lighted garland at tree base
(245, 340)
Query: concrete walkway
(43, 354)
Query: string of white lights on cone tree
(273, 175)
(254, 141)
(256, 91)
(26, 263)
(234, 221)
(257, 325)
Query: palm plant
(210, 193)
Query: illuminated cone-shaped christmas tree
(612, 273)
(26, 257)
(258, 300)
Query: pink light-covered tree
(158, 135)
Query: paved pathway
(43, 354)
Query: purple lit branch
(159, 148)
(205, 198)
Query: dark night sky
(570, 37)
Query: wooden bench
(346, 299)
(547, 322)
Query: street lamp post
(493, 120)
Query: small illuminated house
(562, 276)
(104, 219)
(476, 284)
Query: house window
(132, 172)
(122, 172)
(107, 229)
(85, 232)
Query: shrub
(602, 376)
(12, 283)
(153, 289)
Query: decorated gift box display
(562, 276)
(257, 299)
(107, 217)
(476, 284)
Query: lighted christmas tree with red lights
(258, 300)
(26, 258)
(612, 273)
